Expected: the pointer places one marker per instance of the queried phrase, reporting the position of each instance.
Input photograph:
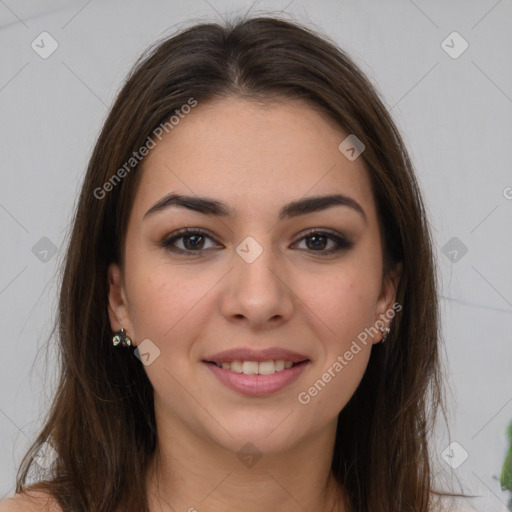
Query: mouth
(257, 371)
(257, 378)
(248, 367)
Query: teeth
(255, 367)
(235, 366)
(250, 367)
(266, 367)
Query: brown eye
(188, 241)
(193, 242)
(317, 242)
(325, 242)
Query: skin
(255, 158)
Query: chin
(268, 434)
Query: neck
(189, 473)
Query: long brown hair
(102, 422)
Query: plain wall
(456, 118)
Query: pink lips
(257, 385)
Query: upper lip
(251, 354)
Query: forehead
(252, 155)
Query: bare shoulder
(36, 501)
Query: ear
(386, 303)
(118, 311)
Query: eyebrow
(208, 206)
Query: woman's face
(271, 277)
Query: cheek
(165, 300)
(330, 391)
(344, 301)
(346, 307)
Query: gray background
(454, 113)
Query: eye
(318, 241)
(194, 241)
(188, 241)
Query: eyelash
(341, 241)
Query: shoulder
(36, 501)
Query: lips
(257, 372)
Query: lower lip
(258, 385)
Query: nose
(257, 293)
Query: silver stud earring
(120, 337)
(385, 331)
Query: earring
(385, 331)
(120, 337)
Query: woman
(248, 311)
